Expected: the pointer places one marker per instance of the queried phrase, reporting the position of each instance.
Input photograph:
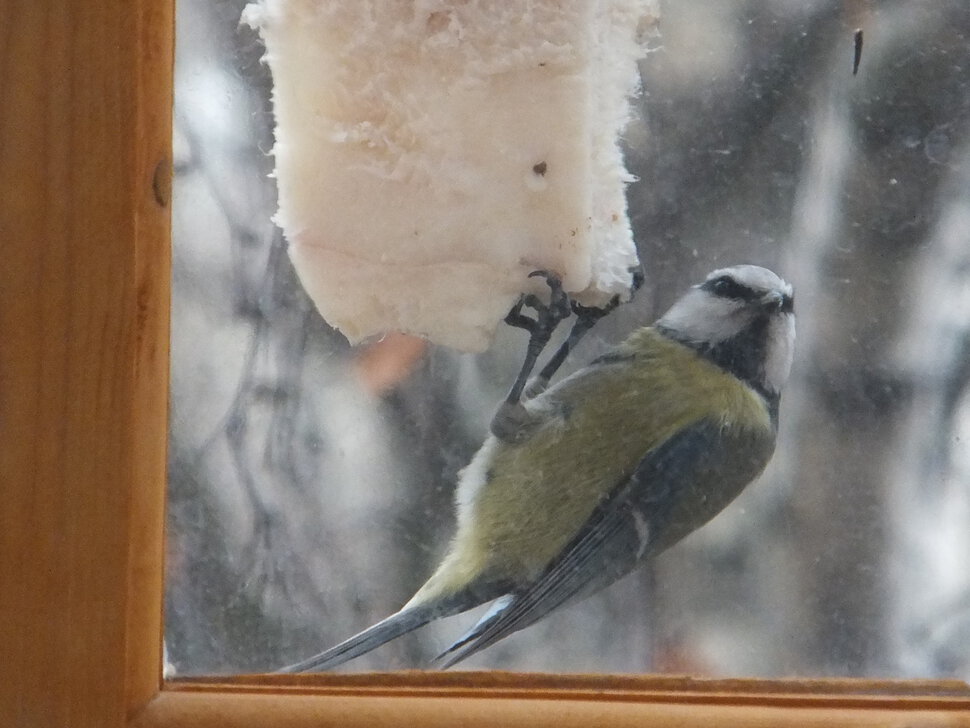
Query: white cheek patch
(781, 350)
(701, 317)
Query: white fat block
(430, 155)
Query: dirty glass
(311, 483)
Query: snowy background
(311, 484)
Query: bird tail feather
(402, 622)
(422, 608)
(491, 616)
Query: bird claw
(508, 425)
(548, 315)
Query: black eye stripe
(728, 287)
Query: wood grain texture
(303, 709)
(669, 688)
(502, 698)
(84, 281)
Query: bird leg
(586, 318)
(511, 422)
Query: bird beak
(772, 301)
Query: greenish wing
(676, 488)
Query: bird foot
(547, 315)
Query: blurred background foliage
(311, 483)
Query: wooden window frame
(85, 145)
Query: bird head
(743, 319)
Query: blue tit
(610, 466)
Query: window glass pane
(311, 483)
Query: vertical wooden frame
(85, 144)
(85, 117)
